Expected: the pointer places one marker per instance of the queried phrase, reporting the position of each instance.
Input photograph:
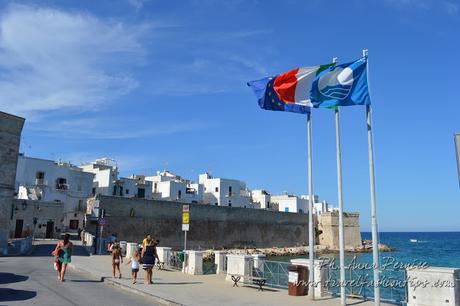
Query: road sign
(185, 217)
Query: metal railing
(41, 182)
(174, 261)
(360, 284)
(275, 273)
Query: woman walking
(63, 254)
(149, 254)
(116, 258)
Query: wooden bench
(259, 281)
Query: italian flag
(294, 86)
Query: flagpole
(311, 229)
(375, 242)
(343, 297)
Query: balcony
(62, 187)
(41, 182)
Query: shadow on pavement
(44, 250)
(183, 283)
(6, 278)
(7, 294)
(85, 281)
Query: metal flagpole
(375, 242)
(343, 297)
(311, 227)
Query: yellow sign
(185, 217)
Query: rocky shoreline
(298, 250)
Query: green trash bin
(182, 256)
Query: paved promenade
(174, 287)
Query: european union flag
(269, 99)
(341, 85)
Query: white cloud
(109, 128)
(445, 6)
(52, 60)
(137, 4)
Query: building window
(40, 178)
(141, 192)
(230, 204)
(179, 194)
(121, 191)
(80, 205)
(94, 191)
(114, 192)
(217, 189)
(127, 191)
(61, 184)
(301, 211)
(155, 186)
(229, 191)
(268, 204)
(73, 224)
(216, 204)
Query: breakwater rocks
(297, 251)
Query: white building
(47, 180)
(171, 187)
(291, 203)
(321, 207)
(261, 198)
(224, 192)
(107, 182)
(135, 186)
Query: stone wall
(10, 135)
(328, 224)
(210, 226)
(44, 212)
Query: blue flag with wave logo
(341, 85)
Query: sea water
(413, 249)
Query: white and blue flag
(341, 85)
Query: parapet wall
(328, 223)
(210, 226)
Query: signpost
(101, 222)
(185, 222)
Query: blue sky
(161, 84)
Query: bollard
(219, 260)
(239, 265)
(194, 263)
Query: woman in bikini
(116, 259)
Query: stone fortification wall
(210, 226)
(10, 135)
(328, 223)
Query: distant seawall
(210, 226)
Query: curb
(156, 299)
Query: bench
(259, 281)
